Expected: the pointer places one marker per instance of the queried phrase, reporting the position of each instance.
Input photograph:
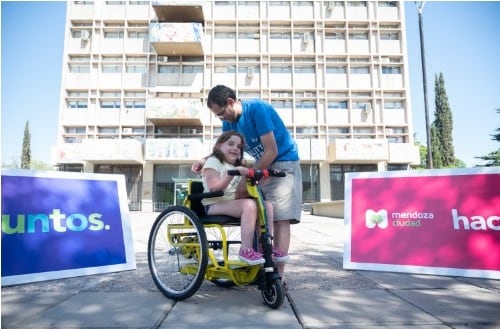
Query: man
(271, 145)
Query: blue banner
(58, 225)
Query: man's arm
(270, 151)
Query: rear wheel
(177, 252)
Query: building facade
(136, 75)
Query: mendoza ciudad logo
(380, 218)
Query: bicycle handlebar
(258, 174)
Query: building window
(392, 105)
(334, 35)
(337, 177)
(281, 69)
(225, 35)
(137, 35)
(360, 70)
(282, 104)
(358, 36)
(305, 69)
(111, 94)
(278, 3)
(337, 105)
(192, 69)
(75, 130)
(113, 34)
(135, 104)
(356, 3)
(389, 35)
(110, 104)
(281, 35)
(338, 133)
(336, 70)
(136, 68)
(108, 132)
(305, 104)
(391, 70)
(77, 104)
(361, 105)
(171, 69)
(111, 68)
(79, 68)
(387, 4)
(77, 94)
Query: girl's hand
(197, 166)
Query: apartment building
(136, 75)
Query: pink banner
(432, 221)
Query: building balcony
(177, 149)
(179, 11)
(177, 38)
(358, 150)
(122, 151)
(172, 112)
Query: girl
(227, 154)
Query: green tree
(493, 158)
(26, 155)
(437, 161)
(422, 149)
(443, 153)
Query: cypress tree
(437, 160)
(26, 154)
(443, 124)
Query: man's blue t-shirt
(257, 119)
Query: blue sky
(462, 40)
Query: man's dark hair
(218, 95)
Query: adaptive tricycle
(186, 246)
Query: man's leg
(282, 241)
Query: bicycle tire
(177, 252)
(274, 295)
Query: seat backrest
(195, 205)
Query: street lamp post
(420, 8)
(311, 165)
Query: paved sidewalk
(321, 295)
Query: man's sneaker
(251, 257)
(279, 255)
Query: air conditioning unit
(163, 59)
(367, 108)
(127, 130)
(306, 38)
(250, 72)
(85, 35)
(256, 35)
(385, 60)
(330, 5)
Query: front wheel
(177, 252)
(274, 295)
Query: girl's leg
(246, 209)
